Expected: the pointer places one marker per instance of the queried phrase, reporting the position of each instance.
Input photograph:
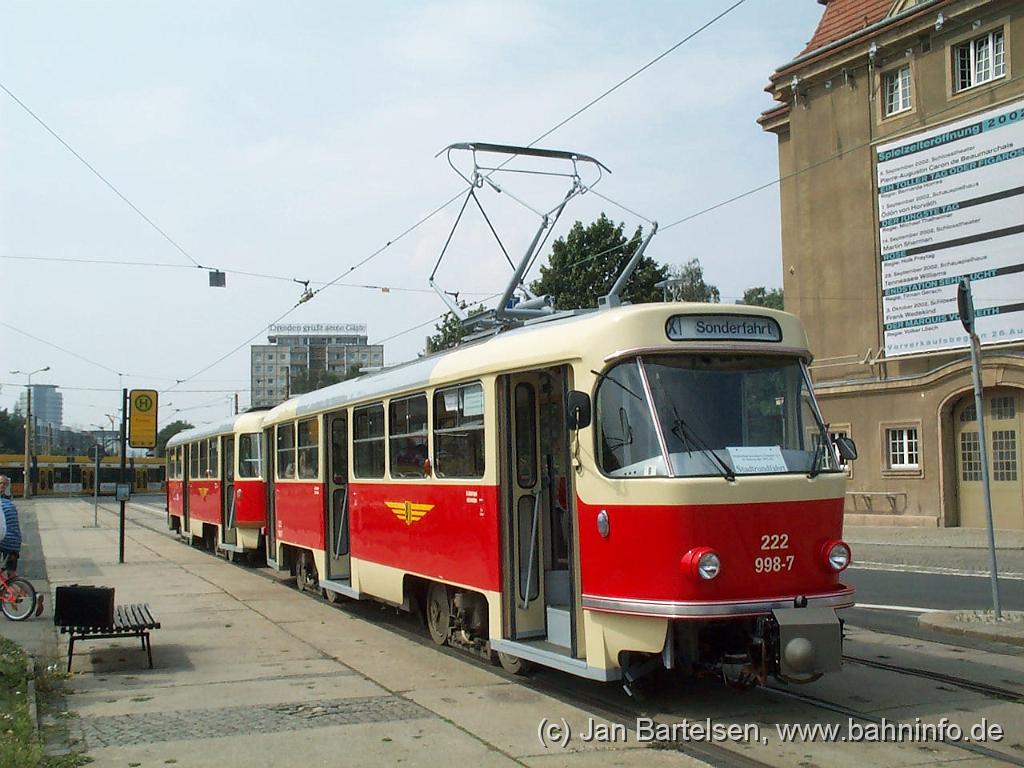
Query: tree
(584, 264)
(762, 297)
(12, 432)
(692, 286)
(316, 378)
(167, 433)
(450, 331)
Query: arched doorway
(1004, 419)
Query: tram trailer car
(216, 493)
(604, 493)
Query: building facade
(901, 157)
(297, 353)
(47, 405)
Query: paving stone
(152, 727)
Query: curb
(30, 693)
(949, 623)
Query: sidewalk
(954, 538)
(251, 673)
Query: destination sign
(722, 328)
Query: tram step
(559, 626)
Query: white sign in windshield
(757, 460)
(722, 327)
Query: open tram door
(539, 562)
(186, 471)
(338, 577)
(270, 471)
(229, 533)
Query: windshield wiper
(815, 462)
(687, 436)
(616, 382)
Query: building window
(897, 90)
(968, 414)
(1004, 455)
(903, 448)
(1003, 407)
(978, 61)
(970, 457)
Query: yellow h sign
(142, 418)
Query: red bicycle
(17, 596)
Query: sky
(297, 139)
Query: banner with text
(950, 205)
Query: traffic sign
(142, 418)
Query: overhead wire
(101, 177)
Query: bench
(89, 613)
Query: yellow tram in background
(76, 475)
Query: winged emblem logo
(203, 492)
(409, 512)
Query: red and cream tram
(216, 492)
(602, 493)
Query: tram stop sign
(142, 418)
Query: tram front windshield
(694, 415)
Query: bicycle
(17, 595)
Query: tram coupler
(805, 643)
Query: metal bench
(88, 613)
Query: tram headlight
(708, 565)
(837, 555)
(702, 563)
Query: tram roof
(562, 339)
(243, 422)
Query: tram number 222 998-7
(774, 563)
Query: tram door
(186, 470)
(538, 523)
(337, 506)
(270, 469)
(228, 531)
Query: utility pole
(122, 476)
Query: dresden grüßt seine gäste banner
(951, 204)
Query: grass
(19, 743)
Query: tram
(216, 493)
(57, 475)
(601, 492)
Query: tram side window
(204, 458)
(249, 459)
(286, 452)
(368, 441)
(214, 468)
(193, 464)
(309, 449)
(459, 431)
(407, 427)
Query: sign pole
(122, 477)
(965, 304)
(96, 488)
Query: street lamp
(28, 423)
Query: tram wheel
(305, 574)
(438, 612)
(333, 597)
(513, 664)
